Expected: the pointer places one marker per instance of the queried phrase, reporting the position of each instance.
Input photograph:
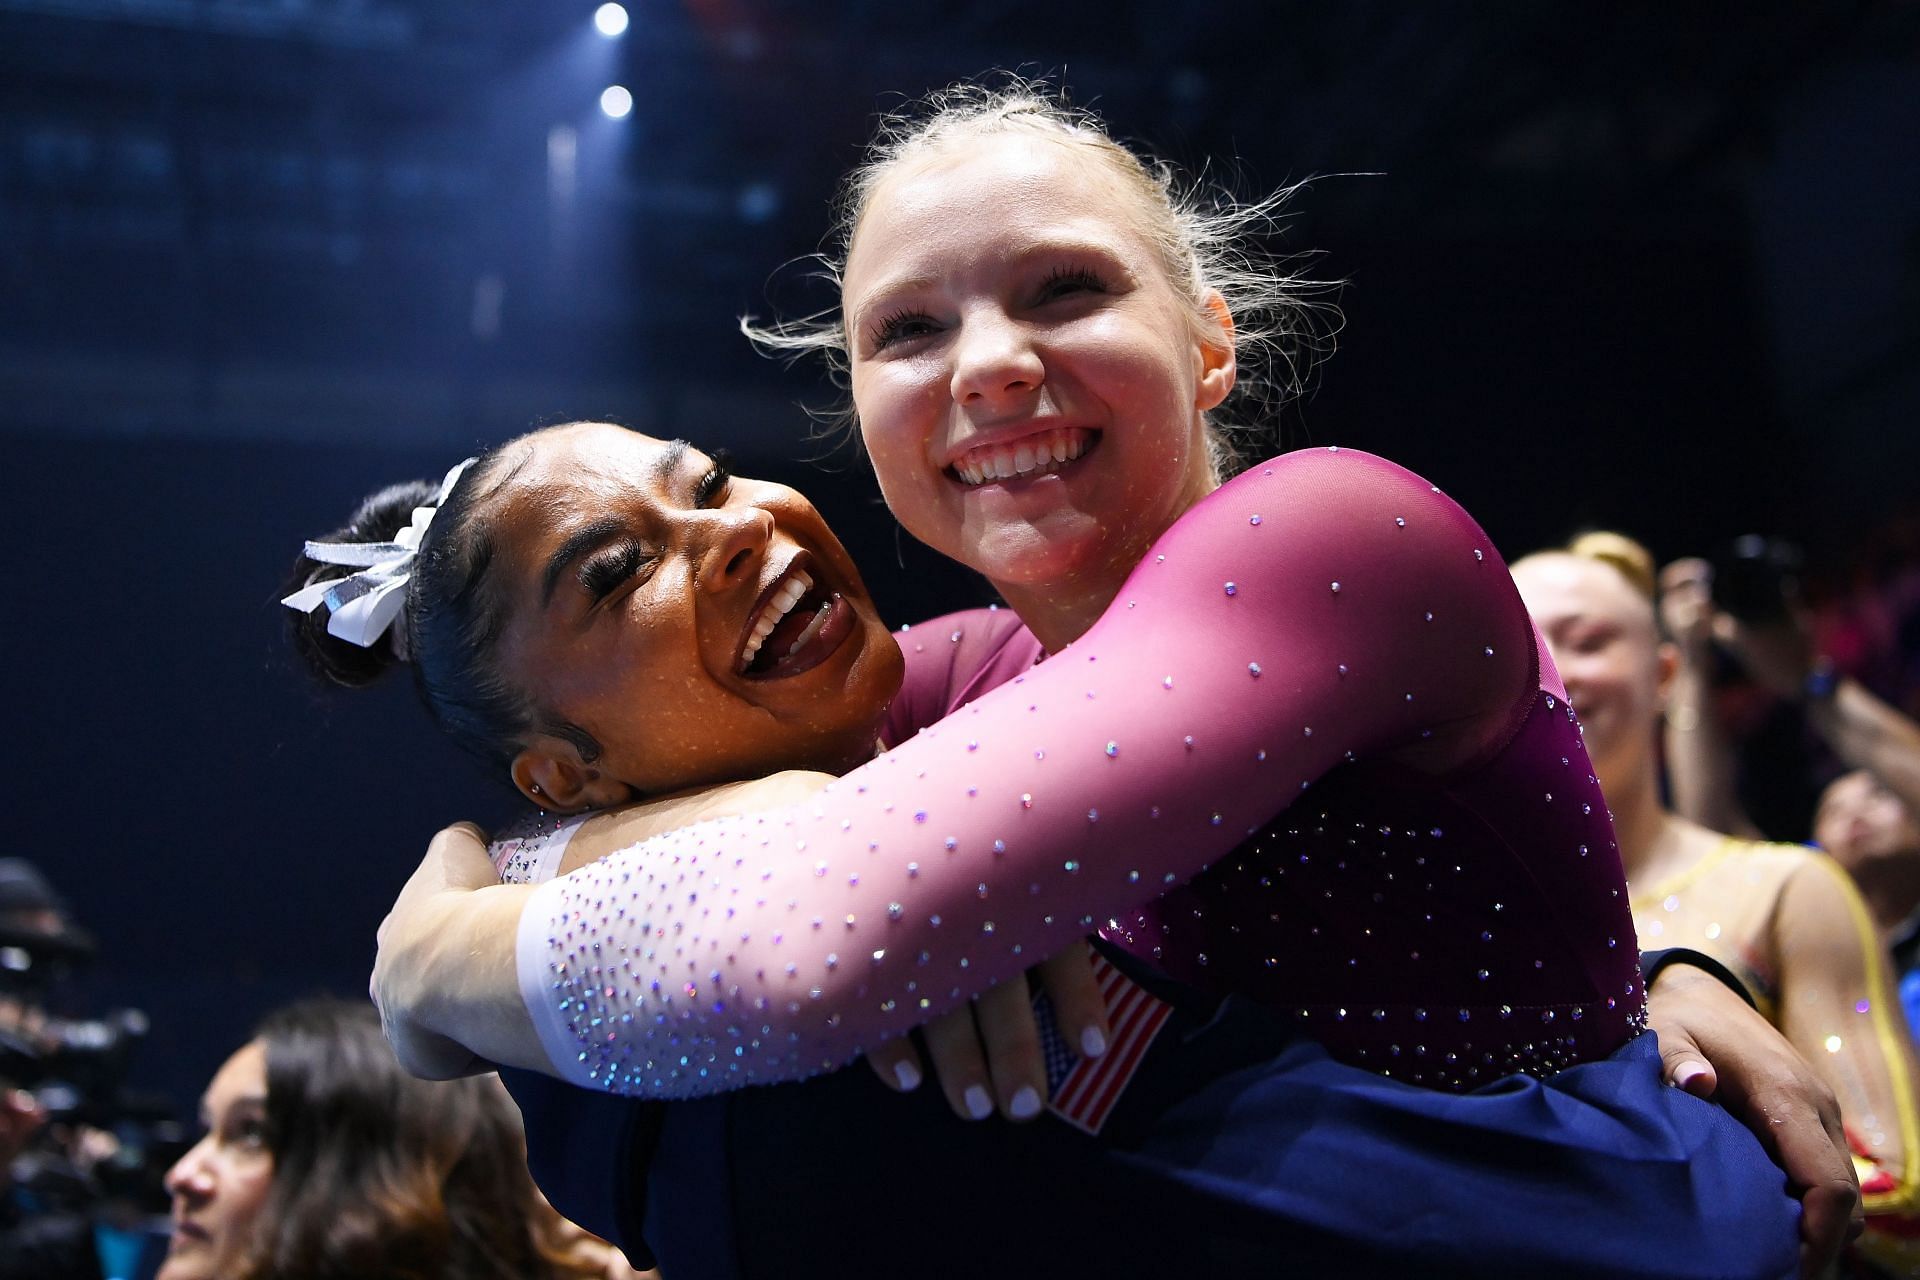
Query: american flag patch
(1084, 1091)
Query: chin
(1031, 555)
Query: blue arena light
(616, 101)
(610, 20)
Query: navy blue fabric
(589, 1153)
(1238, 1151)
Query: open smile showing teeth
(796, 628)
(1023, 459)
(785, 596)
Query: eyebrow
(572, 549)
(889, 286)
(600, 530)
(670, 461)
(246, 1100)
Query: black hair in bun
(377, 519)
(453, 619)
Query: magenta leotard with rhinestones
(1253, 699)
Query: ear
(1215, 352)
(549, 772)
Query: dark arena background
(1633, 266)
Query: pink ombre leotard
(1251, 700)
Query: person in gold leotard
(1784, 918)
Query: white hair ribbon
(362, 607)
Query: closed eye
(713, 485)
(1064, 281)
(899, 326)
(1592, 639)
(604, 573)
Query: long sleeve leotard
(1270, 683)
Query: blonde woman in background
(1784, 919)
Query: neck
(1061, 610)
(1058, 614)
(1891, 887)
(1639, 819)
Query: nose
(735, 542)
(190, 1177)
(994, 361)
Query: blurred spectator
(1876, 837)
(1775, 648)
(1866, 818)
(1785, 920)
(323, 1160)
(47, 1218)
(38, 939)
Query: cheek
(1614, 678)
(1888, 828)
(246, 1193)
(914, 489)
(1147, 366)
(895, 403)
(1585, 670)
(1885, 817)
(899, 468)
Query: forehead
(587, 457)
(1852, 787)
(1555, 585)
(567, 474)
(1016, 188)
(241, 1076)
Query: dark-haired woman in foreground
(323, 1160)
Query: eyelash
(890, 328)
(1079, 277)
(602, 574)
(888, 331)
(713, 484)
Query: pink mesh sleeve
(1322, 606)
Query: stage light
(616, 101)
(610, 20)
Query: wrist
(466, 970)
(1672, 968)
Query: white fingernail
(907, 1074)
(979, 1104)
(1687, 1072)
(1092, 1043)
(1025, 1104)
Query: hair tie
(362, 607)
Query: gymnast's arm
(985, 1053)
(527, 852)
(1838, 1007)
(1324, 605)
